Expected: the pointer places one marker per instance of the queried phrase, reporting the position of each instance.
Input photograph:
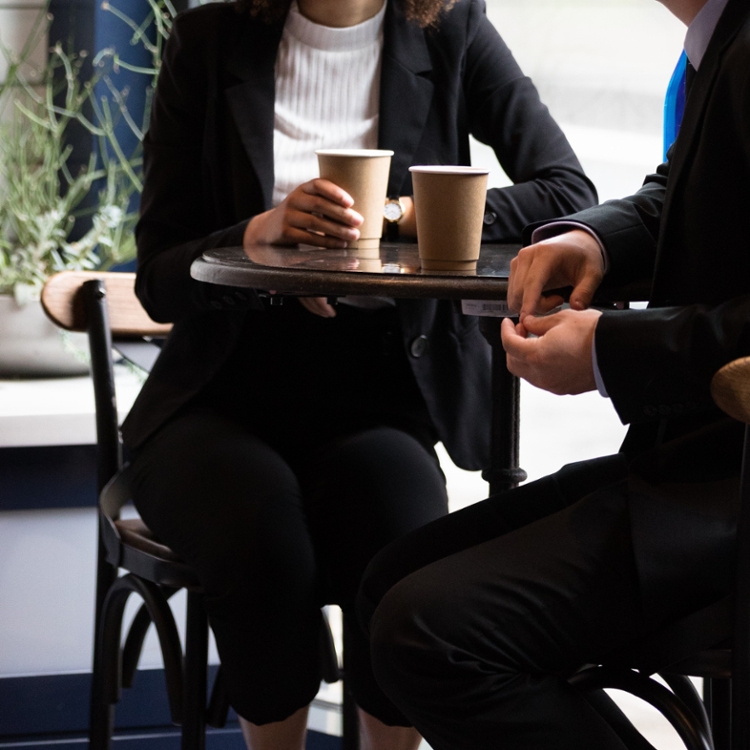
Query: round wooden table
(393, 272)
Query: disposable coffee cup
(363, 173)
(449, 203)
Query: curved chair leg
(330, 669)
(101, 715)
(196, 660)
(111, 634)
(218, 704)
(684, 689)
(667, 703)
(131, 651)
(716, 696)
(740, 696)
(350, 719)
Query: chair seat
(696, 645)
(140, 552)
(136, 534)
(715, 663)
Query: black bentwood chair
(105, 306)
(712, 643)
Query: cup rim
(365, 152)
(448, 169)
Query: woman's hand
(318, 306)
(317, 212)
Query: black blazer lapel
(251, 101)
(703, 83)
(405, 92)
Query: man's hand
(559, 360)
(570, 259)
(316, 213)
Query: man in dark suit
(480, 617)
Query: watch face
(393, 211)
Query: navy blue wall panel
(46, 710)
(48, 477)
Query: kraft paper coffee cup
(449, 203)
(363, 173)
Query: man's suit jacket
(209, 168)
(688, 231)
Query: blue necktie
(674, 103)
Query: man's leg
(476, 648)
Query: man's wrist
(556, 228)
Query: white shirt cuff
(597, 372)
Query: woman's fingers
(314, 222)
(318, 306)
(323, 197)
(328, 190)
(315, 213)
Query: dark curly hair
(423, 12)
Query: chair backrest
(63, 301)
(104, 305)
(730, 389)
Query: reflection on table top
(391, 271)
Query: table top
(394, 271)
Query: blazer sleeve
(659, 362)
(505, 112)
(174, 226)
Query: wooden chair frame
(104, 306)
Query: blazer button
(490, 218)
(664, 410)
(228, 300)
(419, 346)
(650, 411)
(215, 304)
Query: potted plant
(44, 201)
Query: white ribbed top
(327, 94)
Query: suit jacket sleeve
(505, 112)
(175, 225)
(658, 363)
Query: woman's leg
(363, 492)
(288, 734)
(231, 507)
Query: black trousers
(478, 619)
(273, 537)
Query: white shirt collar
(701, 30)
(334, 39)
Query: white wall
(17, 18)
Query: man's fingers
(538, 326)
(515, 344)
(583, 293)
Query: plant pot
(31, 346)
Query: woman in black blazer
(277, 448)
